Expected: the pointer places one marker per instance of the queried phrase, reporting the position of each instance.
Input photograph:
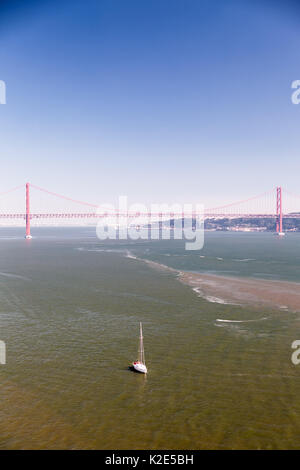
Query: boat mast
(141, 350)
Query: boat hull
(141, 368)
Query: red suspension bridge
(267, 205)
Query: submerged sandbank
(280, 294)
(284, 295)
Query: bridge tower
(28, 235)
(279, 211)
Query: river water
(70, 308)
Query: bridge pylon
(28, 234)
(279, 230)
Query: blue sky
(161, 100)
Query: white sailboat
(140, 365)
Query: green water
(69, 313)
(257, 255)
